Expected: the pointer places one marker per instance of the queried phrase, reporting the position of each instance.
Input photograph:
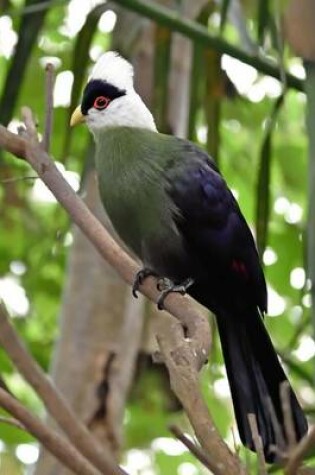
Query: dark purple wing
(212, 225)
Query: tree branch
(53, 400)
(287, 415)
(262, 469)
(12, 143)
(179, 358)
(12, 422)
(193, 448)
(56, 444)
(49, 99)
(297, 455)
(31, 130)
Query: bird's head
(109, 98)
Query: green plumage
(130, 163)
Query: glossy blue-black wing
(213, 228)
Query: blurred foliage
(35, 234)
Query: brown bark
(299, 19)
(90, 321)
(57, 445)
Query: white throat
(136, 113)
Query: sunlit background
(288, 289)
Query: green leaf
(262, 19)
(264, 178)
(224, 11)
(162, 55)
(27, 35)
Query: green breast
(129, 164)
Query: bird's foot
(163, 283)
(168, 287)
(140, 278)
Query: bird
(171, 206)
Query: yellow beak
(77, 117)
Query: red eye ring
(101, 102)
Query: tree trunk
(91, 318)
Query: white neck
(134, 113)
(126, 111)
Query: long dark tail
(255, 376)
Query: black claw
(160, 301)
(162, 297)
(140, 278)
(180, 288)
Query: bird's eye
(101, 102)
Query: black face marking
(97, 88)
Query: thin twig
(262, 469)
(49, 102)
(29, 122)
(287, 415)
(8, 181)
(193, 448)
(53, 442)
(280, 441)
(39, 7)
(298, 331)
(297, 455)
(295, 367)
(53, 400)
(12, 422)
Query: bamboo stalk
(310, 122)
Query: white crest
(114, 69)
(127, 110)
